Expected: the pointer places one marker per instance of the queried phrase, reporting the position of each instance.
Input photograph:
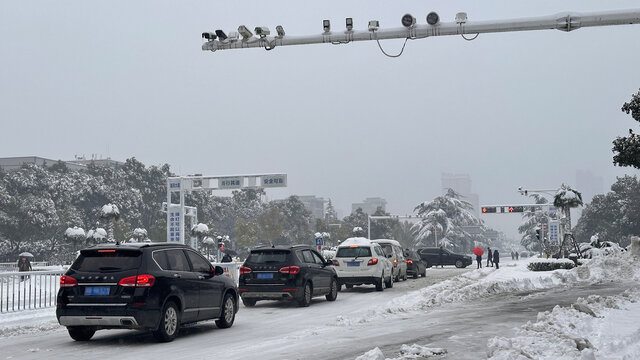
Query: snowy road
(344, 329)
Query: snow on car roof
(360, 241)
(386, 241)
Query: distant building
(313, 204)
(108, 162)
(15, 163)
(461, 183)
(370, 205)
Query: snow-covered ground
(434, 317)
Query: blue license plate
(353, 263)
(265, 276)
(96, 290)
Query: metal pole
(368, 227)
(181, 217)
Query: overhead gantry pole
(567, 21)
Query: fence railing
(28, 289)
(13, 266)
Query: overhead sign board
(230, 183)
(279, 180)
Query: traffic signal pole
(566, 21)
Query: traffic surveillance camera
(461, 18)
(209, 36)
(262, 31)
(221, 35)
(326, 26)
(349, 22)
(408, 21)
(374, 25)
(246, 33)
(280, 30)
(233, 36)
(433, 18)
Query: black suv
(287, 273)
(431, 257)
(415, 264)
(149, 286)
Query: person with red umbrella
(478, 252)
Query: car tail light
(137, 281)
(245, 270)
(336, 263)
(409, 261)
(290, 270)
(67, 281)
(372, 261)
(395, 262)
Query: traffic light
(488, 209)
(513, 209)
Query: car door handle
(177, 276)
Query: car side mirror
(216, 271)
(328, 263)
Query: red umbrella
(478, 251)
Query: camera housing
(245, 32)
(209, 36)
(262, 31)
(349, 23)
(433, 18)
(326, 26)
(374, 25)
(408, 21)
(221, 35)
(280, 30)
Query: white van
(359, 261)
(393, 251)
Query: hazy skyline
(128, 79)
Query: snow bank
(414, 351)
(575, 333)
(512, 278)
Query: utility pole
(412, 30)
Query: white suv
(359, 261)
(393, 251)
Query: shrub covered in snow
(550, 264)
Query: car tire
(333, 292)
(348, 286)
(424, 273)
(380, 283)
(459, 264)
(389, 284)
(81, 333)
(426, 264)
(397, 278)
(339, 288)
(169, 323)
(249, 302)
(305, 300)
(415, 274)
(228, 314)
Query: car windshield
(268, 256)
(107, 261)
(351, 252)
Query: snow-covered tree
(531, 221)
(75, 236)
(565, 199)
(111, 214)
(140, 234)
(627, 149)
(97, 235)
(330, 214)
(358, 232)
(450, 213)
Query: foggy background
(128, 79)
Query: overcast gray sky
(128, 78)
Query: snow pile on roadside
(513, 278)
(407, 352)
(575, 333)
(28, 321)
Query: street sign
(230, 183)
(273, 180)
(319, 241)
(554, 232)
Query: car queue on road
(162, 286)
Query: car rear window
(268, 256)
(359, 251)
(103, 261)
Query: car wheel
(348, 286)
(397, 279)
(426, 264)
(333, 293)
(305, 300)
(379, 283)
(228, 314)
(339, 287)
(249, 302)
(424, 272)
(459, 264)
(415, 274)
(389, 283)
(169, 323)
(81, 333)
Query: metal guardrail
(14, 265)
(28, 289)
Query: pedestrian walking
(479, 260)
(517, 255)
(496, 259)
(489, 257)
(24, 265)
(513, 255)
(440, 254)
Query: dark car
(148, 286)
(415, 264)
(295, 273)
(431, 257)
